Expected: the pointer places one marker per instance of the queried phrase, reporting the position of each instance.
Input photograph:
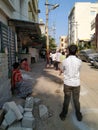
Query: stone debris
(37, 101)
(10, 117)
(1, 115)
(17, 117)
(43, 111)
(28, 122)
(29, 102)
(21, 109)
(4, 125)
(28, 109)
(17, 126)
(12, 105)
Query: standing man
(57, 56)
(71, 69)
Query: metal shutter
(8, 43)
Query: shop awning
(25, 27)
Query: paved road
(48, 87)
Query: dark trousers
(75, 91)
(57, 65)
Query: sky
(58, 18)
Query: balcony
(10, 3)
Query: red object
(25, 65)
(16, 77)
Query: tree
(52, 45)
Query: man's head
(15, 65)
(72, 49)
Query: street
(48, 88)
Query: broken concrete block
(1, 115)
(4, 125)
(12, 105)
(28, 122)
(28, 114)
(27, 128)
(21, 109)
(29, 102)
(28, 109)
(43, 111)
(17, 126)
(36, 101)
(10, 117)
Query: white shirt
(71, 69)
(58, 54)
(53, 56)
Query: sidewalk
(48, 87)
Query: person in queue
(71, 68)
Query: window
(62, 39)
(62, 45)
(93, 13)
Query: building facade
(63, 43)
(18, 26)
(79, 21)
(42, 26)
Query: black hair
(16, 65)
(63, 53)
(25, 59)
(72, 49)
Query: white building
(42, 26)
(79, 21)
(63, 42)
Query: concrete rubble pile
(18, 117)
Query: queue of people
(69, 64)
(56, 58)
(71, 70)
(65, 62)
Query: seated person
(20, 86)
(25, 65)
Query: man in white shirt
(53, 56)
(71, 69)
(58, 54)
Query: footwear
(62, 117)
(79, 116)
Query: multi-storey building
(79, 21)
(42, 27)
(63, 43)
(18, 29)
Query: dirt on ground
(49, 88)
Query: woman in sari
(20, 86)
(24, 65)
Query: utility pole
(47, 31)
(47, 28)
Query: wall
(5, 92)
